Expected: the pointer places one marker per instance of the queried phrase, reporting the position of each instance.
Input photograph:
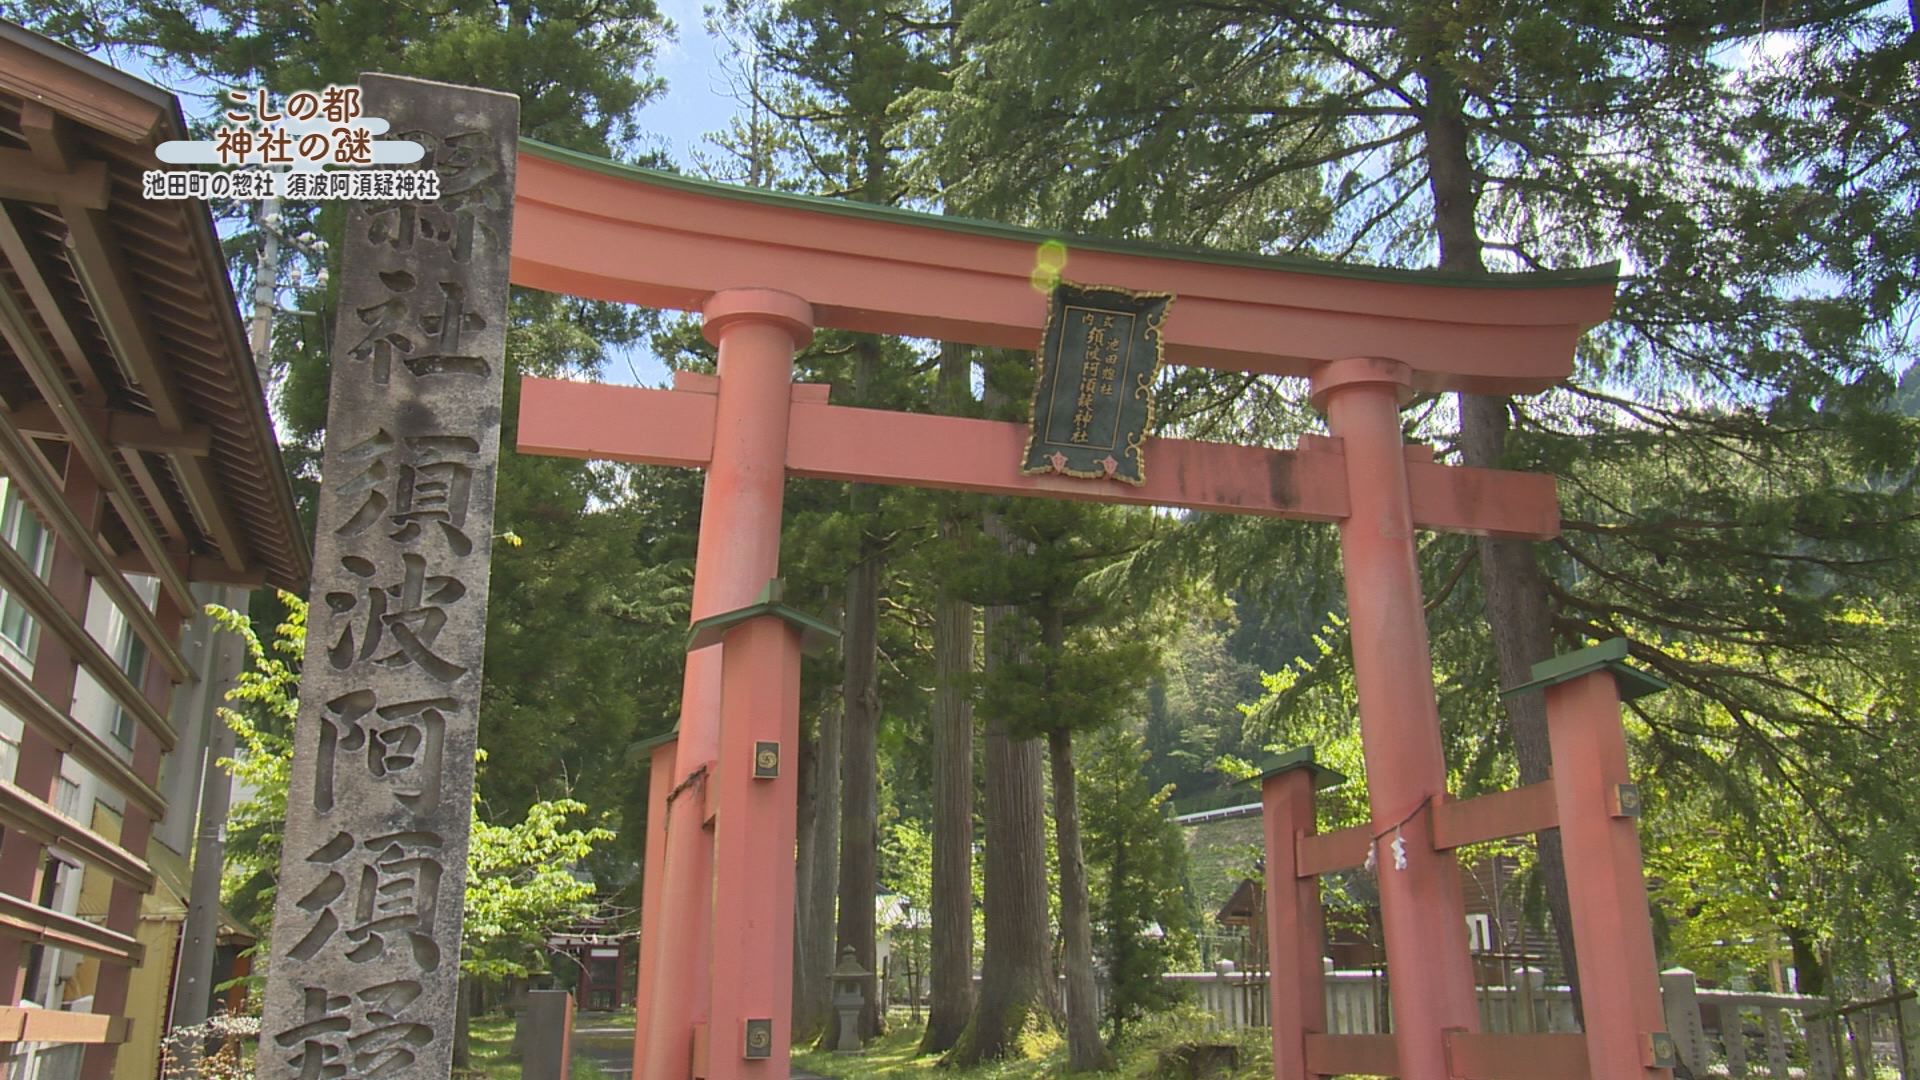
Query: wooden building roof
(119, 338)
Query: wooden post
(754, 833)
(757, 332)
(659, 783)
(1599, 814)
(1296, 935)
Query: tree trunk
(1085, 1051)
(952, 930)
(1016, 983)
(1515, 589)
(1016, 976)
(1809, 973)
(860, 691)
(813, 992)
(266, 280)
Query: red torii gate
(765, 268)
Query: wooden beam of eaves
(98, 457)
(67, 313)
(834, 442)
(209, 569)
(73, 739)
(22, 177)
(59, 1026)
(98, 262)
(27, 587)
(31, 922)
(125, 430)
(42, 490)
(20, 810)
(55, 81)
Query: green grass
(895, 1054)
(491, 1047)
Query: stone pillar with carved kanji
(366, 932)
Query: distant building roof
(1225, 813)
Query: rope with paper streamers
(1399, 845)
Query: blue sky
(696, 100)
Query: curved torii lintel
(594, 228)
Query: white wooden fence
(1718, 1033)
(1752, 1034)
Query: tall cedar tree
(1084, 660)
(952, 886)
(1017, 986)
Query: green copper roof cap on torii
(1610, 654)
(1300, 757)
(1606, 272)
(652, 743)
(815, 635)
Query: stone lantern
(849, 999)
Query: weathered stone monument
(366, 935)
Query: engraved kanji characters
(404, 744)
(360, 1034)
(365, 970)
(467, 169)
(425, 327)
(398, 622)
(415, 483)
(384, 891)
(468, 183)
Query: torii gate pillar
(757, 332)
(1422, 909)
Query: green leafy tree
(1086, 647)
(522, 883)
(1143, 922)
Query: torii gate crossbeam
(764, 269)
